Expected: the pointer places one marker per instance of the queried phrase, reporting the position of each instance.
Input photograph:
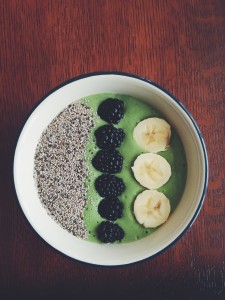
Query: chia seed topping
(60, 167)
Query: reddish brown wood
(180, 45)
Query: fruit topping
(110, 209)
(111, 110)
(151, 170)
(151, 208)
(109, 232)
(152, 134)
(108, 137)
(108, 161)
(109, 185)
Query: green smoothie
(135, 111)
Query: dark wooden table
(178, 44)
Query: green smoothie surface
(135, 111)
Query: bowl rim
(202, 142)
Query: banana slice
(151, 170)
(151, 208)
(152, 134)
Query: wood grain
(178, 44)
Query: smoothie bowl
(110, 169)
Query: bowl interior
(111, 254)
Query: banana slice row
(152, 134)
(152, 208)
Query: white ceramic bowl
(111, 254)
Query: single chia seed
(60, 168)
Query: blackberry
(108, 161)
(110, 209)
(109, 185)
(111, 110)
(109, 232)
(108, 137)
